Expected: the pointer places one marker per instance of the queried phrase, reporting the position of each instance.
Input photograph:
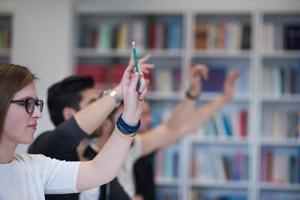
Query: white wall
(42, 40)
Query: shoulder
(32, 158)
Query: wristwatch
(114, 95)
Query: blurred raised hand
(229, 85)
(198, 73)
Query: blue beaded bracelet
(125, 128)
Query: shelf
(208, 96)
(94, 53)
(223, 185)
(222, 54)
(169, 182)
(279, 98)
(157, 96)
(281, 142)
(280, 187)
(222, 142)
(282, 54)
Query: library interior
(249, 149)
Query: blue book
(227, 126)
(173, 35)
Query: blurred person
(184, 118)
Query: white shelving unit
(253, 100)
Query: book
(215, 81)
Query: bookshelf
(5, 37)
(279, 143)
(222, 41)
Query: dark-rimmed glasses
(30, 104)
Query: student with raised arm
(184, 118)
(29, 177)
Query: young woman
(25, 176)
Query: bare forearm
(90, 118)
(180, 113)
(105, 166)
(113, 154)
(202, 115)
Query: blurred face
(88, 96)
(19, 125)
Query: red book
(243, 118)
(116, 74)
(97, 71)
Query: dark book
(215, 81)
(246, 37)
(291, 36)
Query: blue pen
(136, 63)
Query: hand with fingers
(144, 69)
(198, 73)
(144, 66)
(133, 100)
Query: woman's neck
(7, 151)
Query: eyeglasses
(30, 104)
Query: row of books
(168, 79)
(280, 124)
(277, 36)
(281, 80)
(210, 166)
(223, 126)
(5, 38)
(104, 75)
(280, 167)
(167, 163)
(148, 34)
(222, 36)
(162, 79)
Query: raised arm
(203, 114)
(90, 118)
(104, 167)
(167, 133)
(182, 110)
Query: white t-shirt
(29, 177)
(125, 175)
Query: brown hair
(12, 79)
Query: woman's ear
(68, 112)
